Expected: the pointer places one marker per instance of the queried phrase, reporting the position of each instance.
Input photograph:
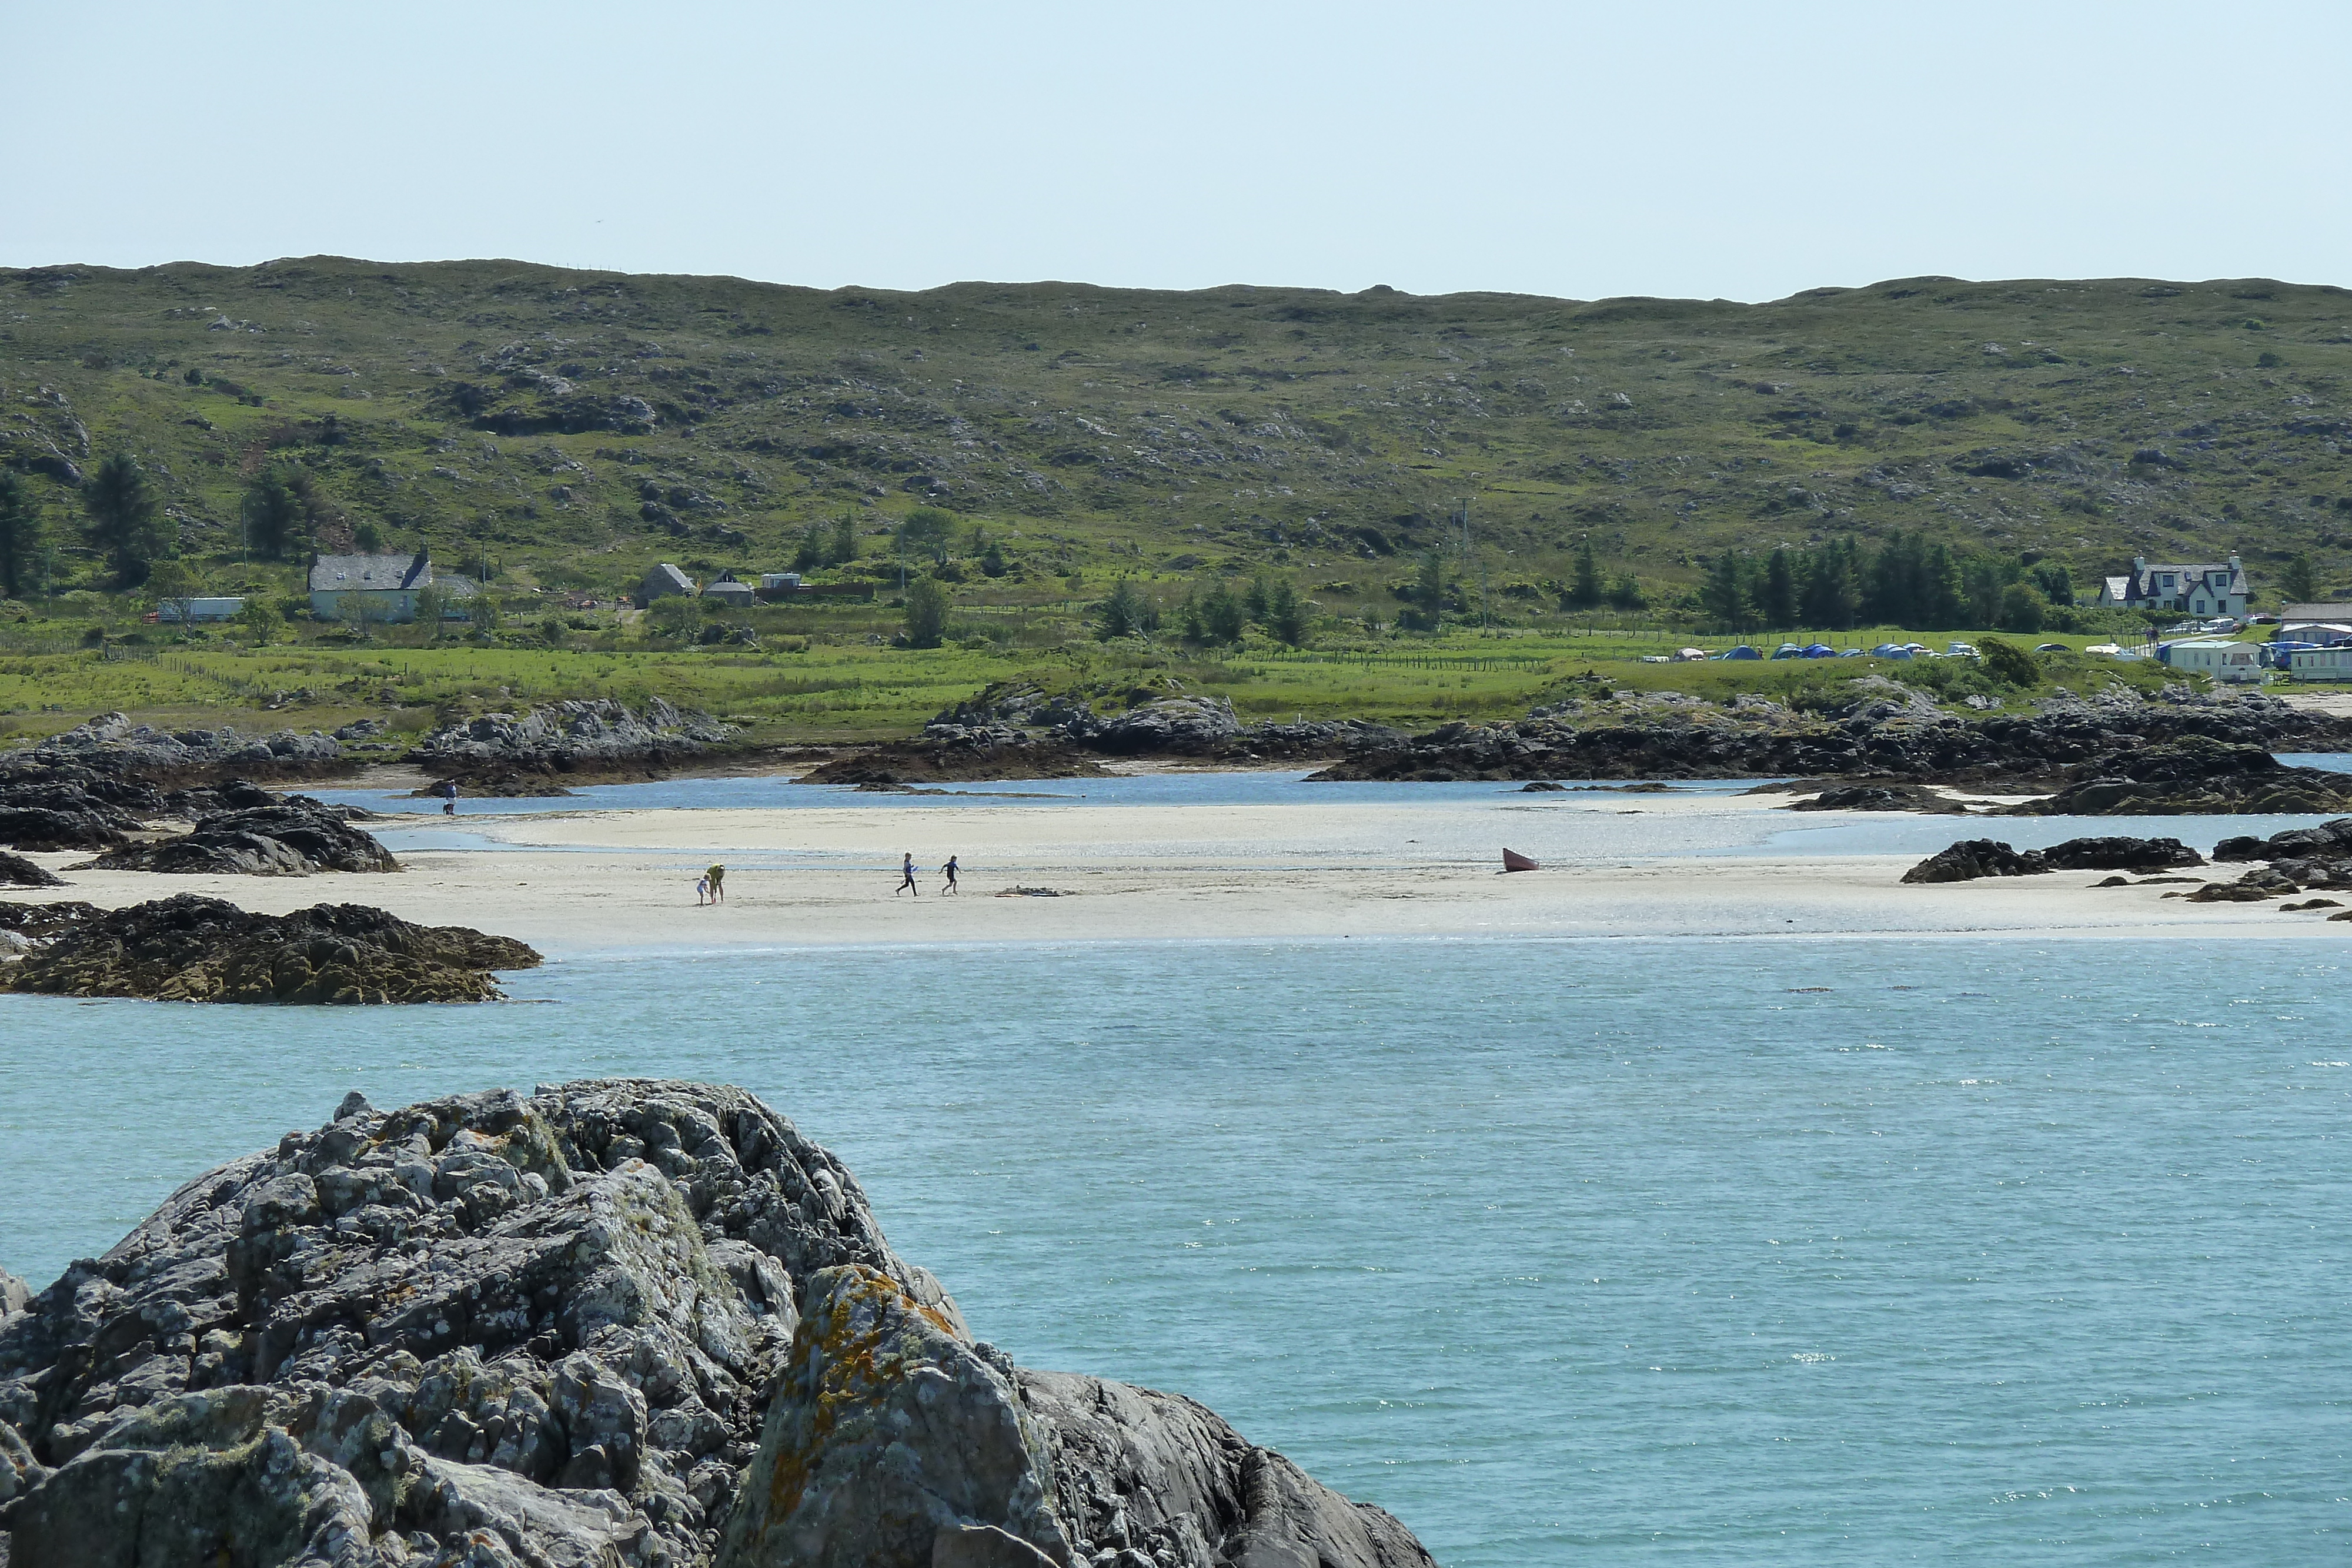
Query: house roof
(671, 577)
(2145, 580)
(370, 573)
(728, 588)
(2316, 613)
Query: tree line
(1905, 582)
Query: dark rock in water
(1882, 797)
(613, 1323)
(1973, 858)
(2192, 776)
(959, 759)
(16, 871)
(509, 786)
(193, 949)
(290, 838)
(2329, 841)
(2118, 854)
(1542, 786)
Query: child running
(951, 869)
(907, 877)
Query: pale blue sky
(1745, 151)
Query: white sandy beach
(573, 882)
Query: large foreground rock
(193, 949)
(616, 1323)
(294, 837)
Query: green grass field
(842, 691)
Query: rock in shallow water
(193, 949)
(569, 1328)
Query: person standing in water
(951, 870)
(718, 875)
(907, 877)
(447, 790)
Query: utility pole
(1462, 520)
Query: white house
(2199, 588)
(387, 584)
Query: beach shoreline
(584, 883)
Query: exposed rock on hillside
(294, 837)
(1973, 858)
(568, 736)
(611, 1323)
(2194, 777)
(193, 949)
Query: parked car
(1849, 653)
(2264, 620)
(1961, 650)
(2051, 648)
(1690, 654)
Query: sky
(1741, 152)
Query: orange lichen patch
(852, 1347)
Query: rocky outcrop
(613, 1323)
(110, 745)
(293, 837)
(1974, 858)
(2192, 776)
(1882, 797)
(193, 949)
(77, 822)
(2297, 859)
(568, 737)
(16, 871)
(1869, 738)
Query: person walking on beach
(447, 790)
(951, 869)
(907, 877)
(717, 877)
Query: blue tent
(1819, 651)
(1741, 652)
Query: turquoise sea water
(1779, 1252)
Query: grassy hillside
(569, 427)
